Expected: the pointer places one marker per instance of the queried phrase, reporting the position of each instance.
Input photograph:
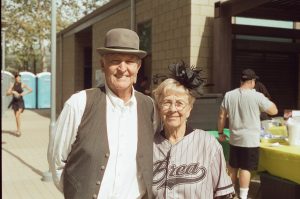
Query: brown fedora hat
(121, 40)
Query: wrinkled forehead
(175, 94)
(120, 56)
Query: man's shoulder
(77, 98)
(142, 96)
(231, 92)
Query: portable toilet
(29, 79)
(6, 80)
(44, 90)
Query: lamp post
(47, 176)
(3, 28)
(3, 47)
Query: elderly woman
(188, 163)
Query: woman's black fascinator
(185, 75)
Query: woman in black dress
(17, 103)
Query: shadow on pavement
(40, 173)
(46, 112)
(10, 133)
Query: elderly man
(243, 105)
(101, 146)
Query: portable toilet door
(44, 90)
(29, 79)
(6, 80)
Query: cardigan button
(94, 196)
(102, 167)
(98, 183)
(107, 155)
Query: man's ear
(139, 65)
(138, 68)
(102, 64)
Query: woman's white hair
(171, 84)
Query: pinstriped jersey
(193, 168)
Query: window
(144, 32)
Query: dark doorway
(144, 31)
(87, 57)
(83, 57)
(277, 70)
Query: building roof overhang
(288, 10)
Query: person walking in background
(242, 106)
(260, 87)
(101, 146)
(17, 103)
(188, 163)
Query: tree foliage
(27, 34)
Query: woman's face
(174, 109)
(18, 79)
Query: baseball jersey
(193, 168)
(243, 107)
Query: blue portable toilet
(29, 79)
(44, 90)
(6, 80)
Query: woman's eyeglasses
(167, 105)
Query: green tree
(29, 26)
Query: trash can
(204, 114)
(278, 188)
(6, 79)
(44, 90)
(29, 79)
(293, 124)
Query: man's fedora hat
(121, 40)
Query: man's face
(120, 71)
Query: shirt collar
(119, 103)
(188, 130)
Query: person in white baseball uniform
(188, 163)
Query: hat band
(119, 47)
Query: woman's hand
(16, 94)
(222, 137)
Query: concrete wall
(68, 67)
(181, 30)
(170, 31)
(201, 37)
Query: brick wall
(201, 34)
(181, 30)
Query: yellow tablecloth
(282, 161)
(278, 130)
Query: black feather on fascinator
(186, 76)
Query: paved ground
(24, 159)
